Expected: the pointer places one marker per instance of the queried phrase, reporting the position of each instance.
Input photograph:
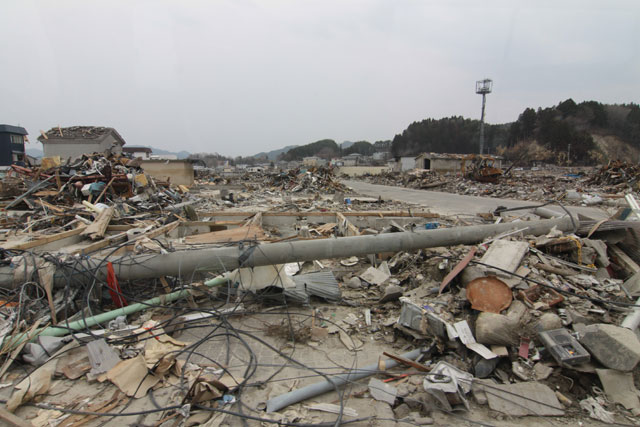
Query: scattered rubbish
(564, 348)
(489, 294)
(447, 384)
(101, 356)
(596, 410)
(105, 269)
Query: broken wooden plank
(98, 227)
(12, 419)
(345, 227)
(122, 237)
(380, 214)
(408, 362)
(228, 236)
(125, 227)
(46, 239)
(210, 223)
(256, 220)
(30, 191)
(623, 260)
(49, 206)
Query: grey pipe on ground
(317, 389)
(184, 263)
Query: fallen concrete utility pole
(186, 262)
(316, 389)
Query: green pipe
(53, 331)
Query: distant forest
(448, 135)
(558, 134)
(328, 149)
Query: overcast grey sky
(238, 77)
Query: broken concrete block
(485, 367)
(492, 328)
(354, 283)
(471, 273)
(382, 391)
(423, 421)
(548, 322)
(374, 276)
(478, 393)
(391, 293)
(522, 399)
(613, 346)
(632, 285)
(402, 411)
(506, 255)
(619, 387)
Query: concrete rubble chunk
(619, 387)
(492, 328)
(391, 293)
(424, 421)
(506, 255)
(354, 283)
(382, 391)
(528, 398)
(402, 411)
(613, 346)
(374, 276)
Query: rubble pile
(605, 186)
(617, 175)
(287, 299)
(314, 179)
(56, 193)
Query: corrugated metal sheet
(322, 284)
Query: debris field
(606, 185)
(284, 298)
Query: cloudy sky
(238, 77)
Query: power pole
(483, 87)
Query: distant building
(12, 145)
(313, 161)
(440, 162)
(381, 155)
(406, 163)
(163, 157)
(178, 172)
(78, 140)
(449, 163)
(352, 159)
(142, 152)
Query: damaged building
(77, 140)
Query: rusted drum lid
(489, 294)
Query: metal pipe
(186, 262)
(312, 390)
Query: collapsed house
(77, 140)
